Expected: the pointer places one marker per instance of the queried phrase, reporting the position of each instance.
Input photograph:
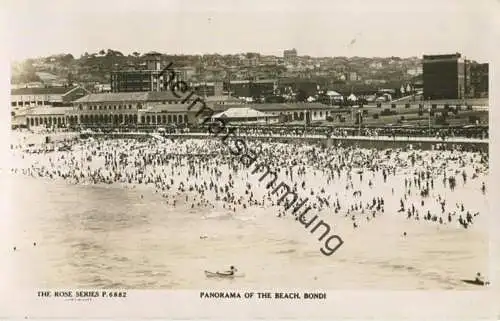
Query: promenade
(457, 140)
(379, 142)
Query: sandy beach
(123, 213)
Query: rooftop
(240, 113)
(288, 106)
(113, 97)
(448, 56)
(265, 81)
(156, 107)
(165, 95)
(139, 71)
(130, 97)
(222, 98)
(40, 111)
(332, 93)
(152, 53)
(42, 91)
(204, 83)
(239, 81)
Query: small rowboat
(209, 274)
(476, 282)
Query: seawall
(424, 143)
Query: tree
(70, 78)
(136, 54)
(102, 52)
(301, 95)
(114, 53)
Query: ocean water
(100, 236)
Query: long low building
(51, 96)
(114, 109)
(297, 111)
(162, 108)
(47, 116)
(246, 116)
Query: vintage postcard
(249, 159)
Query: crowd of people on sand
(350, 183)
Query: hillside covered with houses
(342, 74)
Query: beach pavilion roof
(332, 93)
(130, 96)
(157, 107)
(240, 113)
(288, 106)
(352, 97)
(43, 90)
(45, 111)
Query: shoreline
(337, 219)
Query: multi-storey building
(290, 56)
(239, 88)
(444, 76)
(353, 76)
(152, 78)
(252, 88)
(207, 89)
(479, 80)
(186, 73)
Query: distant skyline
(316, 28)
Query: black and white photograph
(291, 147)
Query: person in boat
(479, 278)
(231, 271)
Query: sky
(314, 27)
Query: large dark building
(290, 56)
(150, 78)
(207, 89)
(444, 76)
(453, 77)
(252, 88)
